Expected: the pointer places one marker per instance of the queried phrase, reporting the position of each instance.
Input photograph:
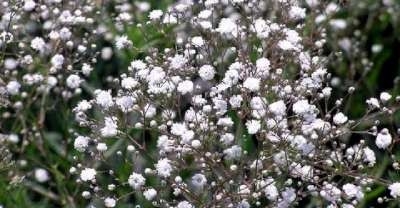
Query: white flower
(178, 61)
(86, 69)
(41, 175)
(164, 167)
(395, 190)
(185, 87)
(73, 81)
(297, 12)
(129, 83)
(252, 84)
(385, 97)
(232, 153)
(83, 105)
(110, 127)
(286, 45)
(227, 138)
(302, 107)
(227, 26)
(122, 42)
(137, 64)
(106, 53)
(57, 61)
(136, 181)
(13, 87)
(253, 126)
(353, 191)
(263, 67)
(29, 5)
(271, 191)
(339, 118)
(369, 156)
(125, 103)
(207, 72)
(278, 108)
(383, 139)
(198, 41)
(330, 192)
(205, 14)
(327, 91)
(373, 103)
(261, 28)
(184, 204)
(13, 138)
(149, 110)
(104, 98)
(88, 174)
(102, 147)
(155, 14)
(38, 44)
(150, 194)
(81, 143)
(65, 33)
(109, 202)
(199, 181)
(236, 101)
(338, 24)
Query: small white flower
(207, 72)
(13, 87)
(38, 44)
(110, 202)
(353, 191)
(29, 5)
(373, 103)
(122, 42)
(383, 139)
(129, 83)
(104, 98)
(73, 81)
(86, 69)
(57, 61)
(155, 14)
(198, 41)
(102, 147)
(185, 87)
(199, 181)
(178, 62)
(252, 84)
(164, 167)
(253, 126)
(385, 97)
(81, 143)
(184, 204)
(395, 190)
(150, 194)
(232, 153)
(88, 174)
(13, 138)
(110, 127)
(41, 175)
(278, 108)
(297, 12)
(227, 26)
(136, 181)
(340, 118)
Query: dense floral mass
(238, 107)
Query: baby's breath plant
(208, 103)
(238, 112)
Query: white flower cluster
(235, 110)
(238, 120)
